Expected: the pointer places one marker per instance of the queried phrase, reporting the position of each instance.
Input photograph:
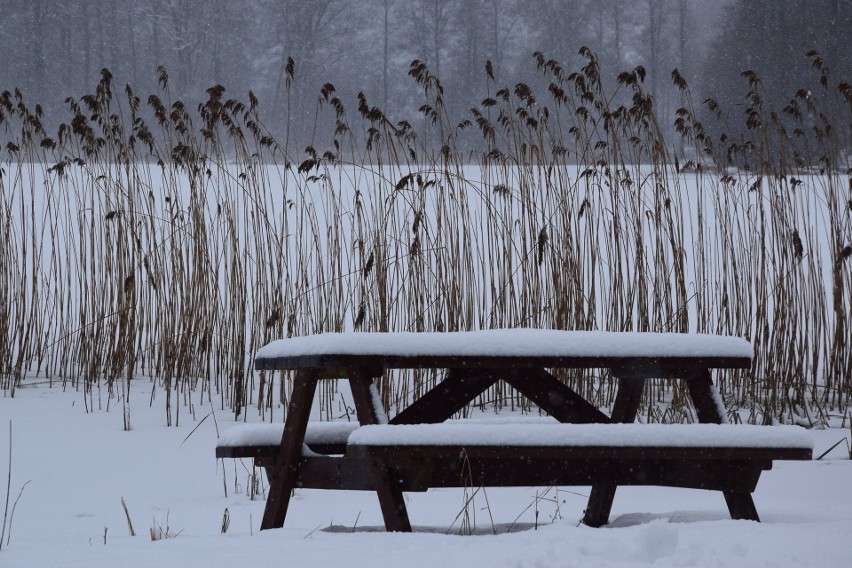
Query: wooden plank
(578, 453)
(289, 453)
(322, 472)
(247, 451)
(719, 475)
(424, 472)
(456, 391)
(327, 472)
(421, 471)
(270, 450)
(386, 482)
(627, 399)
(555, 398)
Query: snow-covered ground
(77, 467)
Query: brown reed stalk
(150, 239)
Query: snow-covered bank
(79, 466)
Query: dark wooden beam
(704, 396)
(741, 505)
(456, 391)
(554, 397)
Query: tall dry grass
(149, 241)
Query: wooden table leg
(741, 506)
(290, 452)
(388, 488)
(709, 408)
(624, 409)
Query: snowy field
(77, 467)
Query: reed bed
(147, 241)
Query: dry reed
(147, 241)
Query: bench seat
(263, 440)
(683, 455)
(701, 437)
(461, 453)
(700, 456)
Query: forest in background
(54, 50)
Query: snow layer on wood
(512, 343)
(602, 435)
(720, 404)
(270, 434)
(376, 399)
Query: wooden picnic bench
(417, 449)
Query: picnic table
(416, 449)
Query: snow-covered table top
(502, 347)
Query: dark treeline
(54, 50)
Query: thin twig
(12, 514)
(8, 489)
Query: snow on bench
(526, 433)
(253, 440)
(510, 343)
(584, 435)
